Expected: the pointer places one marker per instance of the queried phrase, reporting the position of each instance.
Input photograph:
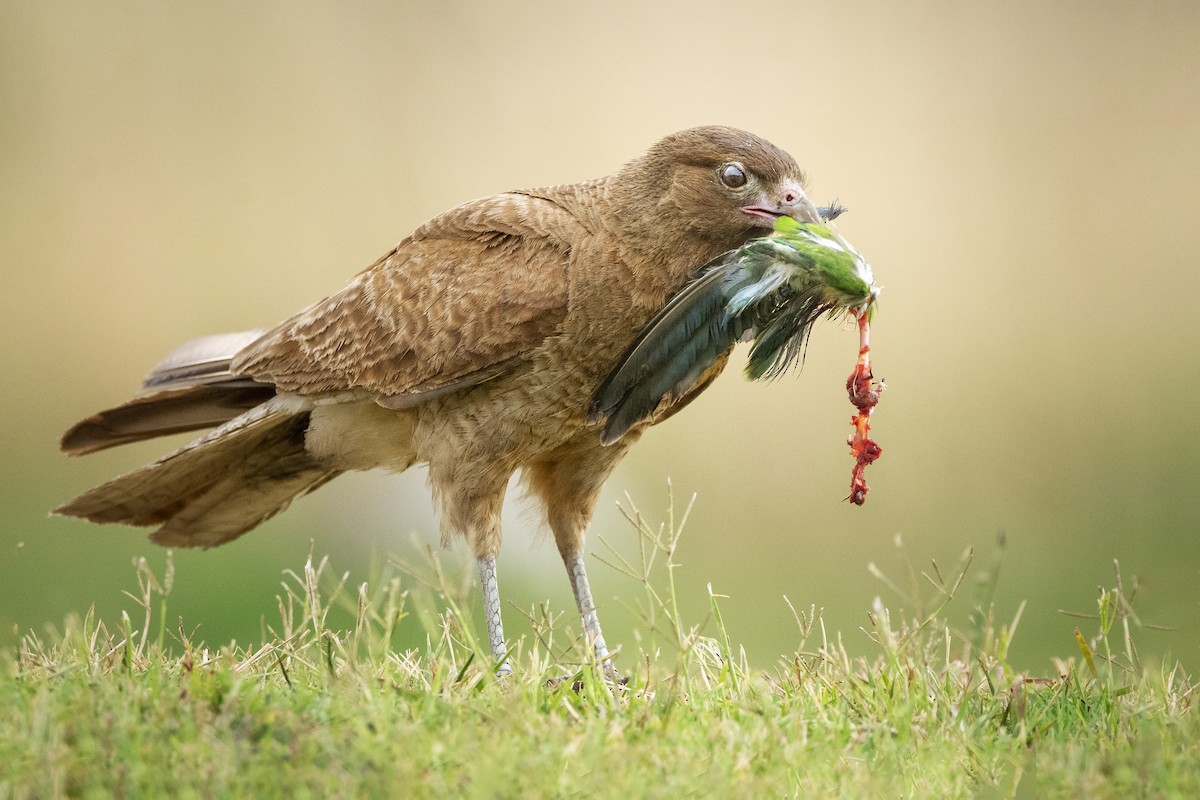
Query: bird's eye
(733, 175)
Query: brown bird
(475, 346)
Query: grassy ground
(138, 709)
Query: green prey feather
(774, 288)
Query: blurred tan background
(1025, 177)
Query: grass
(139, 708)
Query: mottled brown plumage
(474, 346)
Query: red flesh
(864, 393)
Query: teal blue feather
(683, 339)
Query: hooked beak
(789, 200)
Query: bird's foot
(603, 665)
(578, 681)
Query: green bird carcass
(770, 290)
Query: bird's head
(722, 185)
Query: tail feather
(219, 486)
(241, 502)
(200, 361)
(190, 389)
(161, 413)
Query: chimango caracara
(475, 346)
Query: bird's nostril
(789, 198)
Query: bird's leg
(491, 612)
(470, 504)
(587, 610)
(568, 482)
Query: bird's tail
(191, 389)
(224, 483)
(219, 486)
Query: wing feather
(676, 355)
(457, 303)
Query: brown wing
(457, 303)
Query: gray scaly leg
(587, 611)
(491, 612)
